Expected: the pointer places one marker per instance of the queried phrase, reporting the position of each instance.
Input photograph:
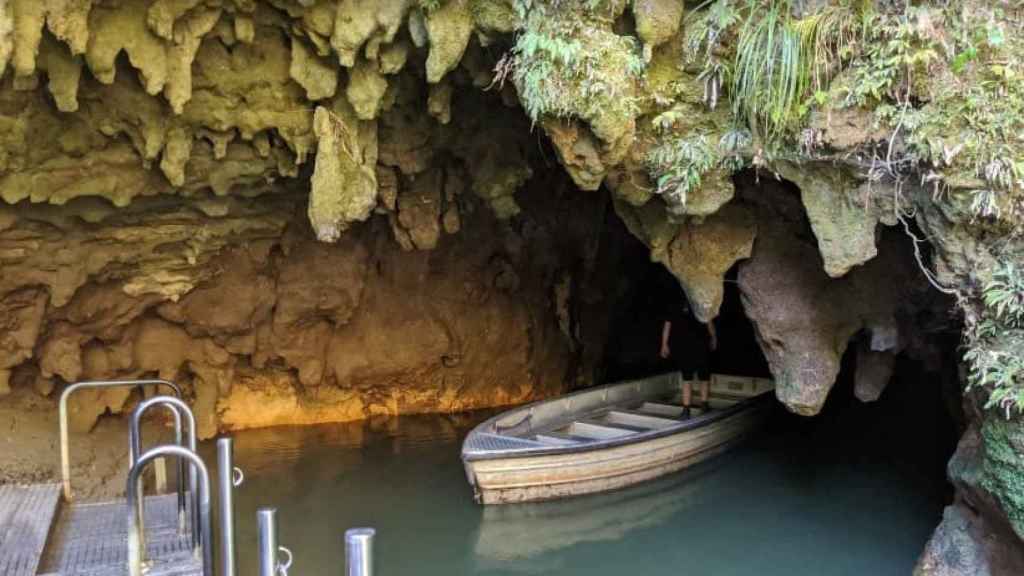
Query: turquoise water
(804, 497)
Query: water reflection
(526, 530)
(787, 501)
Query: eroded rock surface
(804, 320)
(167, 169)
(979, 531)
(333, 331)
(698, 253)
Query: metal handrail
(133, 453)
(136, 548)
(65, 457)
(180, 410)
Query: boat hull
(525, 478)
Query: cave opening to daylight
(417, 260)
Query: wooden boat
(607, 437)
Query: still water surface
(793, 501)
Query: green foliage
(679, 164)
(995, 340)
(781, 64)
(1004, 295)
(897, 48)
(770, 76)
(705, 30)
(564, 68)
(548, 7)
(968, 130)
(430, 5)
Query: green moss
(1003, 462)
(449, 28)
(569, 64)
(495, 15)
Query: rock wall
(271, 326)
(326, 209)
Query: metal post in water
(359, 551)
(226, 505)
(267, 542)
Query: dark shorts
(694, 361)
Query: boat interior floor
(623, 420)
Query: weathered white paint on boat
(606, 438)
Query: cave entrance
(902, 428)
(638, 313)
(910, 430)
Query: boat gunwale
(551, 450)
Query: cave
(637, 313)
(347, 211)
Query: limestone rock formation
(698, 253)
(845, 231)
(167, 168)
(873, 372)
(804, 319)
(701, 254)
(975, 536)
(241, 291)
(344, 184)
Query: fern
(561, 69)
(679, 166)
(993, 342)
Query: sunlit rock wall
(271, 326)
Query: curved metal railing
(136, 536)
(181, 411)
(65, 457)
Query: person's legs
(687, 391)
(702, 373)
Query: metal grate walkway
(91, 540)
(26, 513)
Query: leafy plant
(781, 64)
(565, 68)
(705, 31)
(895, 52)
(679, 166)
(430, 5)
(995, 340)
(1004, 295)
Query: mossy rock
(1002, 466)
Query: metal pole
(135, 448)
(135, 441)
(267, 541)
(65, 451)
(226, 505)
(136, 546)
(359, 551)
